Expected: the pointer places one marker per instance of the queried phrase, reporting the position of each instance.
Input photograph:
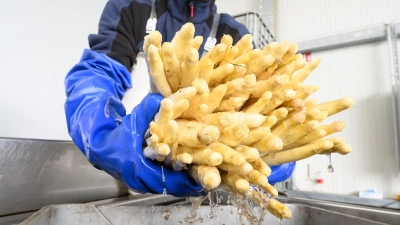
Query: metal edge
(146, 200)
(348, 38)
(36, 215)
(385, 215)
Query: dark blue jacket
(123, 25)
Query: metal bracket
(364, 35)
(395, 78)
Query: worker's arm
(111, 140)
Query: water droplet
(118, 122)
(164, 191)
(330, 167)
(211, 214)
(220, 199)
(228, 202)
(167, 214)
(213, 198)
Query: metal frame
(338, 40)
(254, 23)
(392, 33)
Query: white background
(361, 72)
(40, 41)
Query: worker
(111, 139)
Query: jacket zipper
(191, 12)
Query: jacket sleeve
(93, 107)
(122, 27)
(111, 140)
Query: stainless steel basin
(36, 173)
(89, 214)
(164, 209)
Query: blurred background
(41, 40)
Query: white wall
(361, 72)
(39, 42)
(235, 7)
(297, 20)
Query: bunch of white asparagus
(230, 115)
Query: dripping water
(212, 204)
(194, 215)
(330, 167)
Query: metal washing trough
(164, 209)
(50, 175)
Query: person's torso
(172, 14)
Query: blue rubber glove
(281, 172)
(111, 140)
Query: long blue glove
(111, 140)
